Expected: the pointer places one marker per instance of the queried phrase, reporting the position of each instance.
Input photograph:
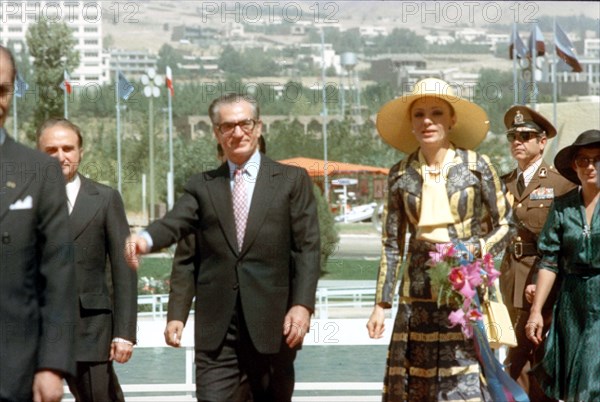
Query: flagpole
(171, 178)
(16, 133)
(533, 50)
(119, 185)
(65, 92)
(554, 77)
(514, 54)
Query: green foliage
(438, 275)
(328, 230)
(53, 47)
(168, 56)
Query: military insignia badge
(519, 119)
(542, 193)
(543, 173)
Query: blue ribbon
(500, 385)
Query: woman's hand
(375, 325)
(534, 327)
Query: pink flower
(490, 270)
(443, 251)
(457, 317)
(459, 279)
(474, 274)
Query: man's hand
(173, 332)
(120, 351)
(47, 386)
(295, 325)
(134, 247)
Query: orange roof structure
(315, 167)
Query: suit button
(519, 205)
(5, 238)
(235, 286)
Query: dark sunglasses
(522, 136)
(583, 162)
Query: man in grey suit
(37, 279)
(106, 327)
(258, 248)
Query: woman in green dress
(437, 194)
(570, 247)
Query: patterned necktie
(240, 205)
(521, 184)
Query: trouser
(237, 372)
(95, 382)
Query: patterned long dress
(571, 367)
(427, 360)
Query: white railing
(326, 299)
(332, 332)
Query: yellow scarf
(435, 212)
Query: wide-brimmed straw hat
(394, 126)
(521, 118)
(564, 158)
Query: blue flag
(124, 87)
(20, 86)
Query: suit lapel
(261, 200)
(86, 206)
(14, 182)
(219, 191)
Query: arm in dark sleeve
(183, 279)
(306, 242)
(124, 279)
(56, 284)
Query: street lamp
(151, 82)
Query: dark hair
(229, 98)
(11, 59)
(59, 122)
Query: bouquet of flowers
(455, 276)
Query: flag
(536, 41)
(564, 49)
(20, 86)
(66, 84)
(518, 45)
(169, 80)
(124, 87)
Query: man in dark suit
(184, 272)
(528, 134)
(106, 327)
(37, 278)
(258, 245)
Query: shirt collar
(531, 169)
(250, 167)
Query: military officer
(532, 187)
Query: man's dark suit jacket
(279, 263)
(37, 279)
(107, 306)
(183, 279)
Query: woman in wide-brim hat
(437, 194)
(570, 247)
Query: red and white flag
(169, 80)
(536, 42)
(66, 84)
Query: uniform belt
(520, 249)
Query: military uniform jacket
(530, 211)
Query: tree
(53, 47)
(168, 56)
